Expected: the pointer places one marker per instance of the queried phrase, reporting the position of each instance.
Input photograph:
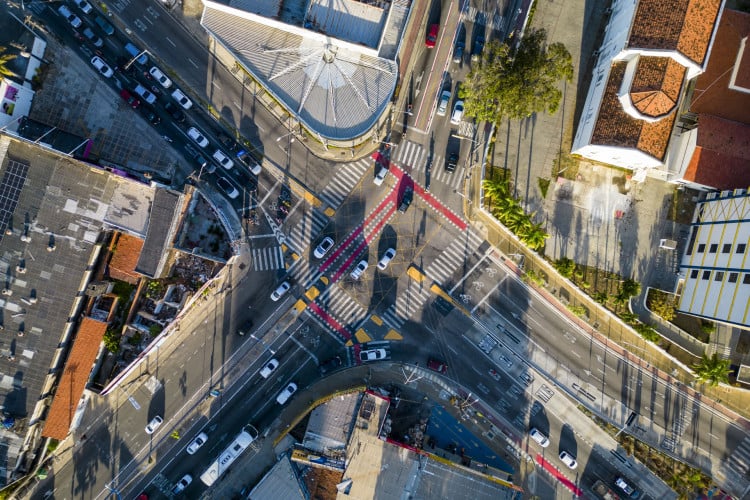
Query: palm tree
(6, 58)
(712, 370)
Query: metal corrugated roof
(334, 88)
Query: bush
(112, 341)
(662, 304)
(647, 332)
(708, 327)
(566, 267)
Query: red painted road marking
(330, 320)
(559, 476)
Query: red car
(130, 98)
(438, 366)
(432, 36)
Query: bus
(227, 457)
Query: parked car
(478, 48)
(196, 443)
(540, 438)
(102, 67)
(625, 487)
(182, 484)
(107, 28)
(245, 328)
(154, 424)
(280, 291)
(494, 374)
(330, 364)
(130, 98)
(372, 355)
(458, 112)
(74, 20)
(284, 395)
(223, 160)
(323, 247)
(438, 366)
(84, 6)
(250, 162)
(227, 187)
(359, 270)
(269, 368)
(145, 94)
(568, 459)
(150, 114)
(182, 99)
(458, 52)
(386, 258)
(199, 159)
(432, 35)
(452, 163)
(406, 199)
(381, 171)
(160, 77)
(195, 135)
(445, 98)
(175, 112)
(91, 36)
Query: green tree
(112, 341)
(5, 59)
(517, 84)
(713, 370)
(628, 288)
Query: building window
(694, 274)
(701, 247)
(727, 248)
(741, 248)
(733, 277)
(746, 279)
(706, 275)
(719, 276)
(713, 248)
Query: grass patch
(543, 186)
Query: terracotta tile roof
(656, 85)
(681, 25)
(125, 258)
(75, 375)
(712, 92)
(722, 158)
(614, 127)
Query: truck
(604, 492)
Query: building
(715, 269)
(652, 51)
(330, 64)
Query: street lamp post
(134, 59)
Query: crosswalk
(302, 272)
(347, 176)
(268, 258)
(497, 23)
(414, 156)
(411, 301)
(339, 304)
(306, 230)
(739, 459)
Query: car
(452, 163)
(130, 98)
(182, 484)
(540, 438)
(478, 47)
(505, 360)
(372, 355)
(250, 162)
(91, 36)
(150, 114)
(432, 35)
(182, 99)
(84, 6)
(227, 187)
(330, 364)
(245, 328)
(445, 98)
(568, 459)
(196, 443)
(494, 374)
(102, 67)
(381, 171)
(107, 28)
(458, 52)
(280, 291)
(223, 160)
(195, 135)
(406, 199)
(268, 369)
(361, 268)
(438, 366)
(526, 378)
(175, 112)
(386, 258)
(74, 20)
(458, 112)
(145, 94)
(160, 77)
(284, 395)
(154, 424)
(200, 159)
(624, 486)
(322, 249)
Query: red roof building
(127, 251)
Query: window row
(726, 248)
(719, 276)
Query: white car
(74, 20)
(380, 175)
(160, 77)
(372, 355)
(361, 268)
(267, 370)
(84, 6)
(195, 135)
(284, 395)
(280, 291)
(102, 67)
(223, 159)
(540, 438)
(227, 187)
(323, 247)
(182, 99)
(386, 258)
(145, 94)
(196, 443)
(182, 484)
(154, 424)
(568, 460)
(458, 112)
(445, 98)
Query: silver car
(284, 395)
(280, 291)
(359, 270)
(372, 355)
(322, 249)
(195, 135)
(445, 98)
(386, 258)
(196, 443)
(154, 424)
(160, 77)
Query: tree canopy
(517, 84)
(712, 370)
